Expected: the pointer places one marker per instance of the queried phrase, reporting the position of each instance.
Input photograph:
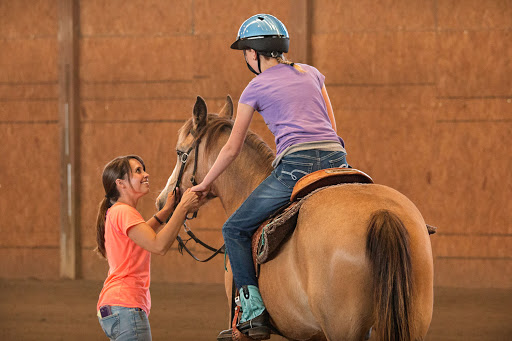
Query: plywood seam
(468, 258)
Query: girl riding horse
(294, 103)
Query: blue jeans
(126, 324)
(273, 193)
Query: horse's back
(342, 213)
(325, 263)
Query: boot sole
(259, 333)
(224, 338)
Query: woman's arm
(165, 212)
(329, 107)
(231, 149)
(159, 243)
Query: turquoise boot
(255, 321)
(252, 303)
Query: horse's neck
(238, 181)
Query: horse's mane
(217, 125)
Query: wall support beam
(69, 139)
(300, 31)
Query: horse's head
(192, 139)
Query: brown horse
(359, 257)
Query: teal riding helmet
(263, 33)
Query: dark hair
(118, 168)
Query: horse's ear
(199, 115)
(227, 110)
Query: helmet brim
(263, 44)
(236, 45)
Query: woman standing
(127, 241)
(294, 103)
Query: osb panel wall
(420, 92)
(472, 125)
(29, 185)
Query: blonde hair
(282, 60)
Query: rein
(183, 157)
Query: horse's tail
(387, 247)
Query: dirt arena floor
(65, 310)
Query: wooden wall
(29, 175)
(421, 92)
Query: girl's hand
(202, 189)
(190, 201)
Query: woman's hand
(173, 198)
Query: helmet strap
(250, 67)
(259, 61)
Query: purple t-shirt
(291, 104)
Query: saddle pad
(276, 230)
(272, 233)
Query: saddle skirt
(279, 227)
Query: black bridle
(183, 157)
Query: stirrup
(256, 329)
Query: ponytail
(100, 227)
(119, 168)
(282, 60)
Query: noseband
(183, 157)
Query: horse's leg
(336, 270)
(228, 286)
(284, 295)
(342, 309)
(318, 288)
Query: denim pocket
(289, 172)
(110, 325)
(339, 161)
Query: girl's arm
(329, 107)
(144, 235)
(230, 150)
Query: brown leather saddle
(328, 177)
(279, 227)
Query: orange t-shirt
(127, 283)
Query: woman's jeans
(273, 193)
(126, 324)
